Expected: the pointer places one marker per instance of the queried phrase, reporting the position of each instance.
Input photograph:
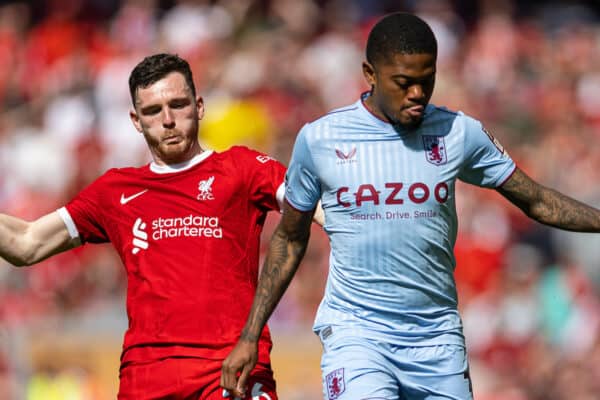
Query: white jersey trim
(280, 196)
(66, 217)
(168, 169)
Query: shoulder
(336, 115)
(124, 173)
(243, 155)
(327, 125)
(440, 114)
(240, 152)
(342, 112)
(451, 120)
(115, 177)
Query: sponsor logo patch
(124, 200)
(140, 237)
(335, 383)
(263, 159)
(189, 226)
(346, 158)
(499, 146)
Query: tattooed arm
(548, 206)
(286, 250)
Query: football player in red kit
(187, 228)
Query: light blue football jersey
(389, 203)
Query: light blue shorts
(356, 368)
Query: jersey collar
(385, 125)
(167, 169)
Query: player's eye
(180, 103)
(403, 85)
(151, 110)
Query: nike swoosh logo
(125, 200)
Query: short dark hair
(155, 67)
(400, 33)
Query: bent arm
(286, 250)
(26, 243)
(319, 214)
(548, 206)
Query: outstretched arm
(548, 206)
(286, 250)
(26, 243)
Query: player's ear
(135, 119)
(200, 106)
(369, 73)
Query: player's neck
(371, 106)
(182, 158)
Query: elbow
(20, 263)
(22, 257)
(29, 258)
(21, 260)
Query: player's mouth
(172, 139)
(415, 112)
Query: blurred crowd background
(529, 295)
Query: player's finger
(241, 382)
(228, 377)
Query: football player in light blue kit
(385, 169)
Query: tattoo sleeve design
(286, 250)
(548, 206)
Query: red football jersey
(189, 239)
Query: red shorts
(185, 378)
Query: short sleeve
(486, 163)
(303, 188)
(86, 212)
(265, 174)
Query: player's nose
(416, 92)
(168, 120)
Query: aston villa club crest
(335, 384)
(435, 149)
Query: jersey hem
(298, 208)
(505, 176)
(280, 196)
(503, 181)
(66, 217)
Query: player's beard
(397, 116)
(412, 123)
(172, 147)
(397, 120)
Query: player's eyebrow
(150, 108)
(413, 78)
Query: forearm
(278, 270)
(26, 243)
(548, 206)
(560, 211)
